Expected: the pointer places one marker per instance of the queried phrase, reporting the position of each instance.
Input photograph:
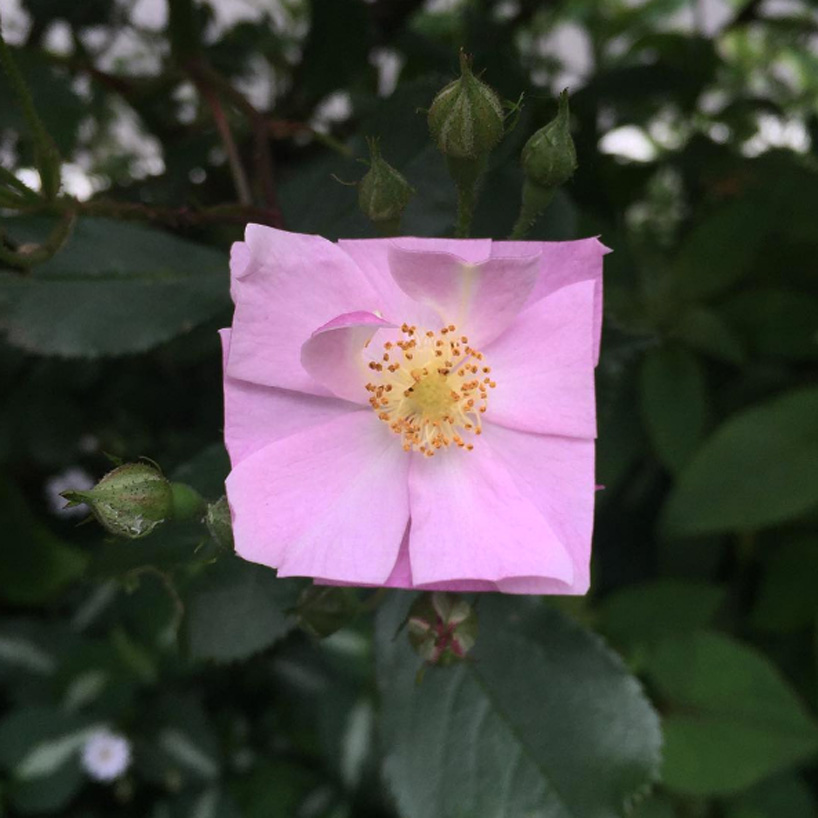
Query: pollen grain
(431, 388)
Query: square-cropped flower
(414, 413)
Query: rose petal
(372, 258)
(401, 576)
(480, 299)
(557, 475)
(471, 522)
(285, 285)
(239, 261)
(255, 416)
(543, 367)
(328, 502)
(471, 250)
(563, 263)
(334, 354)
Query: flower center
(431, 388)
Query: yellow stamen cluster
(431, 388)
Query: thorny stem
(210, 82)
(176, 600)
(223, 127)
(168, 216)
(286, 129)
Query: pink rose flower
(414, 413)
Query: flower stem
(466, 199)
(535, 200)
(466, 174)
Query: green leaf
(621, 442)
(236, 609)
(274, 789)
(182, 743)
(730, 719)
(39, 747)
(759, 468)
(542, 710)
(213, 802)
(184, 751)
(674, 403)
(24, 649)
(782, 797)
(779, 323)
(206, 472)
(116, 288)
(787, 600)
(657, 610)
(658, 806)
(720, 250)
(35, 564)
(704, 330)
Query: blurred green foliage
(695, 126)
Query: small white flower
(72, 479)
(106, 755)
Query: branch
(223, 127)
(262, 157)
(176, 217)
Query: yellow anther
(430, 406)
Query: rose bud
(442, 628)
(383, 193)
(466, 117)
(129, 501)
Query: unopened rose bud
(129, 501)
(549, 157)
(383, 193)
(323, 610)
(466, 123)
(219, 523)
(466, 117)
(549, 160)
(442, 628)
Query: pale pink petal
(285, 285)
(328, 502)
(480, 299)
(471, 250)
(471, 522)
(563, 263)
(255, 416)
(372, 258)
(334, 354)
(401, 576)
(557, 475)
(462, 586)
(239, 261)
(543, 367)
